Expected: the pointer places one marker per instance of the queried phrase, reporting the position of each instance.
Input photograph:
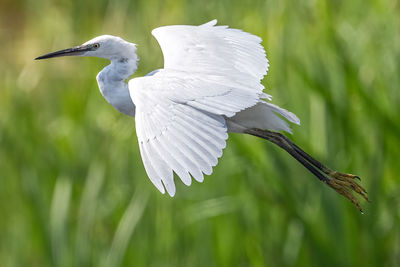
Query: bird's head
(104, 46)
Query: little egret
(210, 85)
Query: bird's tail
(263, 115)
(344, 184)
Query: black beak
(74, 51)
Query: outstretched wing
(213, 49)
(209, 72)
(180, 122)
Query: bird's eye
(96, 45)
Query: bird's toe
(345, 184)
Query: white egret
(209, 86)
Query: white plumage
(209, 86)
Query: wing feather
(210, 73)
(154, 177)
(172, 160)
(212, 49)
(183, 135)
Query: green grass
(73, 190)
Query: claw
(344, 184)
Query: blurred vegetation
(74, 191)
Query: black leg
(341, 182)
(277, 139)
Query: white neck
(112, 84)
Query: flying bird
(210, 85)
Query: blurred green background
(73, 190)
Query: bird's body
(209, 86)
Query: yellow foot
(345, 184)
